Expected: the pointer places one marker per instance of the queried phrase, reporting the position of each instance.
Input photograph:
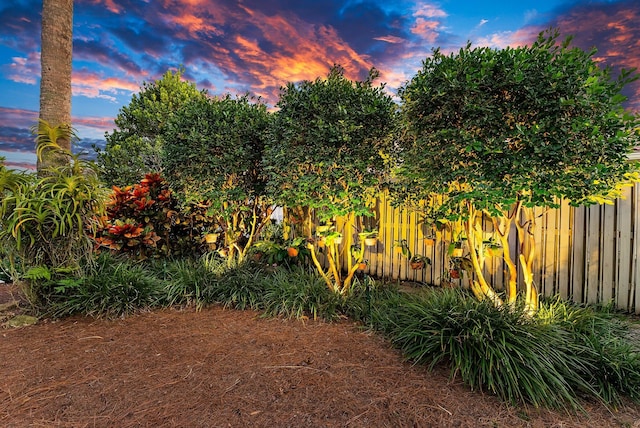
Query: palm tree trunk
(55, 61)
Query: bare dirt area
(226, 368)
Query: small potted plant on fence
(418, 261)
(455, 248)
(493, 249)
(369, 236)
(457, 265)
(363, 265)
(323, 227)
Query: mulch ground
(227, 368)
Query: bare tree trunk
(55, 60)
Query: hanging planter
(323, 228)
(418, 262)
(370, 242)
(457, 252)
(363, 265)
(429, 242)
(417, 265)
(369, 237)
(495, 251)
(454, 273)
(211, 238)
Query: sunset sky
(260, 45)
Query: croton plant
(144, 221)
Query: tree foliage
(327, 151)
(501, 131)
(326, 144)
(134, 148)
(213, 157)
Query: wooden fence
(588, 254)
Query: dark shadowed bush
(297, 293)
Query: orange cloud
(93, 85)
(426, 29)
(110, 5)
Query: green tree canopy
(134, 148)
(531, 123)
(325, 151)
(213, 156)
(500, 131)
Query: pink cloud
(25, 70)
(93, 85)
(430, 11)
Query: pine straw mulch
(227, 368)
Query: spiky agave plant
(49, 219)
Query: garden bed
(218, 367)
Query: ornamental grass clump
(499, 350)
(115, 287)
(552, 359)
(187, 282)
(239, 286)
(297, 293)
(615, 357)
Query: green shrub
(116, 287)
(500, 350)
(615, 359)
(240, 286)
(296, 293)
(144, 220)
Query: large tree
(134, 149)
(55, 82)
(499, 132)
(212, 157)
(326, 156)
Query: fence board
(578, 255)
(607, 256)
(636, 248)
(624, 249)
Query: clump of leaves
(47, 219)
(144, 221)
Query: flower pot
(362, 266)
(417, 265)
(292, 251)
(210, 238)
(457, 252)
(429, 242)
(370, 242)
(495, 251)
(454, 273)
